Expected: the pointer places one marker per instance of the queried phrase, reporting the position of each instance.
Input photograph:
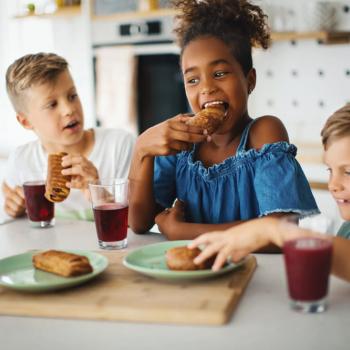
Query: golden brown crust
(56, 189)
(209, 118)
(181, 259)
(62, 263)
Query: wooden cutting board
(124, 295)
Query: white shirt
(111, 155)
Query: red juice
(38, 207)
(308, 264)
(111, 222)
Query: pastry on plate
(181, 259)
(62, 263)
(56, 189)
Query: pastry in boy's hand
(56, 189)
(209, 118)
(62, 263)
(181, 259)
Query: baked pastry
(181, 259)
(56, 189)
(62, 263)
(209, 118)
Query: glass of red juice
(110, 205)
(40, 211)
(308, 265)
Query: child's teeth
(213, 103)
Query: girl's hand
(169, 218)
(170, 137)
(81, 170)
(15, 205)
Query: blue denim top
(250, 184)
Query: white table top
(262, 320)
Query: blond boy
(336, 142)
(46, 102)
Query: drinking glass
(308, 265)
(110, 205)
(40, 211)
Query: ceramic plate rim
(169, 274)
(62, 282)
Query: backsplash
(302, 83)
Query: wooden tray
(123, 295)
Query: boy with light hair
(336, 142)
(46, 102)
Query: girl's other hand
(170, 137)
(14, 200)
(81, 170)
(168, 220)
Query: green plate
(150, 260)
(17, 272)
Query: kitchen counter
(262, 320)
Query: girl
(247, 167)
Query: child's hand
(169, 218)
(236, 242)
(170, 137)
(81, 170)
(14, 201)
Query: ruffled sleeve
(280, 183)
(164, 182)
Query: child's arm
(267, 129)
(82, 172)
(238, 242)
(340, 259)
(171, 222)
(14, 205)
(167, 138)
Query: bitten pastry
(62, 263)
(209, 118)
(56, 189)
(181, 259)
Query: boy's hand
(81, 170)
(14, 200)
(169, 218)
(170, 137)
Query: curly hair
(238, 23)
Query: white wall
(303, 84)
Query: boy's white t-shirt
(111, 155)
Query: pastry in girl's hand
(181, 259)
(62, 263)
(56, 189)
(209, 118)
